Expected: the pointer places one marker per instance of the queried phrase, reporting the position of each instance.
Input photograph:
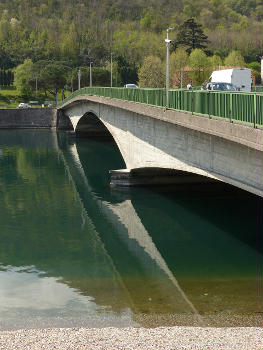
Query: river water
(75, 251)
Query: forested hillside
(81, 31)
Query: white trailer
(241, 78)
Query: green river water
(75, 251)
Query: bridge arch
(151, 137)
(90, 125)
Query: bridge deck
(236, 132)
(246, 108)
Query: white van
(241, 78)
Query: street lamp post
(36, 85)
(167, 41)
(79, 77)
(111, 69)
(71, 79)
(181, 82)
(90, 74)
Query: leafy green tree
(178, 63)
(23, 76)
(6, 77)
(235, 59)
(191, 9)
(152, 20)
(115, 73)
(6, 61)
(199, 63)
(255, 67)
(84, 31)
(52, 77)
(151, 74)
(191, 36)
(127, 71)
(100, 77)
(215, 62)
(242, 6)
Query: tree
(22, 77)
(191, 36)
(256, 68)
(198, 61)
(215, 62)
(83, 31)
(52, 77)
(100, 76)
(127, 71)
(178, 62)
(115, 72)
(235, 59)
(151, 73)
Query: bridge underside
(158, 152)
(156, 176)
(91, 126)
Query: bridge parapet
(246, 108)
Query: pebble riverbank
(161, 338)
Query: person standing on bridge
(190, 85)
(204, 85)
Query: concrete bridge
(160, 145)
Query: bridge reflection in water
(145, 257)
(152, 238)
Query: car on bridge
(220, 86)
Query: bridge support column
(63, 121)
(155, 176)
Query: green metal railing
(234, 106)
(257, 88)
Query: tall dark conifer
(191, 36)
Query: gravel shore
(161, 338)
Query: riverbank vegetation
(74, 33)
